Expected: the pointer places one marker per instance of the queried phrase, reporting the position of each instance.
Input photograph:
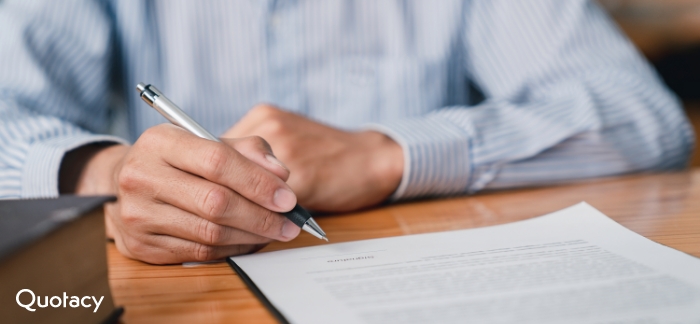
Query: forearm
(580, 130)
(32, 148)
(55, 60)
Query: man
(363, 101)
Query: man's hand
(331, 170)
(183, 198)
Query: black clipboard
(257, 292)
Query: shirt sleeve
(567, 97)
(54, 63)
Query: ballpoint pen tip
(326, 239)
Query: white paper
(572, 266)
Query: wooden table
(662, 207)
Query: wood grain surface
(662, 207)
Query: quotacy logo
(74, 302)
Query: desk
(662, 207)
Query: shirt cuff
(40, 171)
(437, 156)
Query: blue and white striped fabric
(566, 96)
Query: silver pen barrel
(151, 95)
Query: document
(572, 266)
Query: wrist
(387, 161)
(89, 170)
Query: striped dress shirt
(564, 96)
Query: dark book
(53, 260)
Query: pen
(154, 98)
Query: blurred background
(668, 33)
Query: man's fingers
(220, 163)
(164, 249)
(220, 205)
(175, 222)
(256, 149)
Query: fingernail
(290, 230)
(284, 199)
(274, 160)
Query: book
(53, 261)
